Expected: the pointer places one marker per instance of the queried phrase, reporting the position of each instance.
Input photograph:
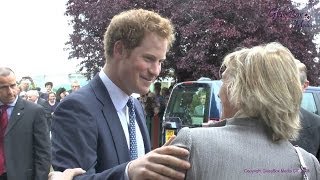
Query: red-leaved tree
(206, 30)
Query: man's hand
(68, 174)
(162, 163)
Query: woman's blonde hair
(263, 82)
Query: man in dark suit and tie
(309, 135)
(33, 96)
(96, 129)
(24, 135)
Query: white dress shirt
(119, 100)
(10, 107)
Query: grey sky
(32, 36)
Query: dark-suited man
(309, 135)
(25, 144)
(75, 86)
(33, 96)
(90, 127)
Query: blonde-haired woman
(260, 95)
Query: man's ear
(306, 84)
(118, 49)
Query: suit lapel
(143, 127)
(112, 119)
(16, 115)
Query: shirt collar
(118, 97)
(11, 104)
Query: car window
(215, 108)
(189, 103)
(308, 102)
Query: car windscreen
(308, 102)
(189, 104)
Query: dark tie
(132, 130)
(3, 126)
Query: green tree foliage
(206, 30)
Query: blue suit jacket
(87, 133)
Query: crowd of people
(100, 132)
(154, 104)
(48, 99)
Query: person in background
(199, 110)
(151, 109)
(61, 93)
(22, 94)
(157, 93)
(39, 91)
(24, 135)
(166, 95)
(91, 126)
(260, 96)
(24, 85)
(52, 102)
(160, 107)
(74, 86)
(142, 99)
(159, 99)
(309, 135)
(48, 86)
(33, 96)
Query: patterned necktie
(132, 130)
(3, 126)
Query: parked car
(190, 104)
(311, 99)
(187, 96)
